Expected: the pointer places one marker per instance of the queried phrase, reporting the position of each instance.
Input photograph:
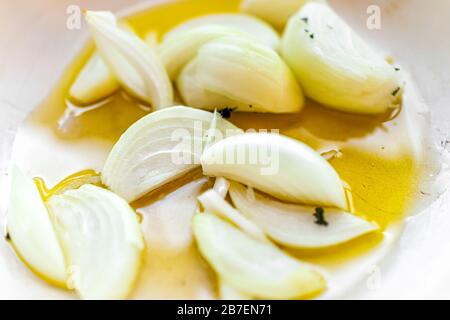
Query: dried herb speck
(311, 35)
(226, 112)
(304, 19)
(397, 69)
(320, 217)
(7, 236)
(397, 90)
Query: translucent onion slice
(334, 66)
(213, 203)
(227, 292)
(280, 166)
(31, 231)
(249, 25)
(276, 13)
(199, 97)
(180, 48)
(133, 62)
(102, 240)
(236, 69)
(294, 226)
(96, 81)
(250, 266)
(221, 186)
(158, 149)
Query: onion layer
(213, 203)
(334, 66)
(246, 24)
(134, 63)
(160, 148)
(180, 48)
(278, 165)
(31, 230)
(96, 81)
(295, 226)
(102, 240)
(250, 266)
(237, 72)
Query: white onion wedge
(213, 203)
(159, 148)
(247, 24)
(294, 225)
(227, 292)
(334, 66)
(280, 166)
(132, 61)
(221, 186)
(276, 13)
(96, 81)
(31, 232)
(102, 240)
(237, 72)
(250, 266)
(176, 51)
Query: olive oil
(73, 181)
(374, 156)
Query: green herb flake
(320, 217)
(304, 19)
(311, 35)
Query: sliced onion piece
(31, 231)
(276, 13)
(280, 166)
(135, 65)
(227, 292)
(334, 66)
(96, 81)
(247, 24)
(294, 225)
(201, 98)
(102, 240)
(221, 186)
(236, 69)
(213, 203)
(159, 148)
(251, 266)
(180, 48)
